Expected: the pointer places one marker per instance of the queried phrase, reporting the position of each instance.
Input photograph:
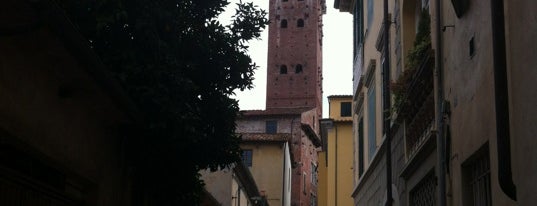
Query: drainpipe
(291, 147)
(335, 174)
(387, 104)
(291, 159)
(501, 95)
(284, 185)
(440, 142)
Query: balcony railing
(419, 130)
(418, 88)
(417, 108)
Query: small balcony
(412, 91)
(420, 128)
(414, 104)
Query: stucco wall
(342, 148)
(268, 169)
(521, 21)
(302, 148)
(220, 185)
(336, 172)
(469, 86)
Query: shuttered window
(371, 121)
(346, 108)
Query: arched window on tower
(300, 23)
(298, 68)
(283, 69)
(283, 23)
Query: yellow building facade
(270, 167)
(336, 158)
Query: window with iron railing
(424, 193)
(476, 179)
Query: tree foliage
(422, 42)
(180, 65)
(415, 56)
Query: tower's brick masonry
(296, 46)
(294, 80)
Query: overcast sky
(337, 57)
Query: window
(361, 147)
(358, 25)
(370, 10)
(271, 127)
(247, 157)
(298, 68)
(285, 0)
(300, 23)
(424, 193)
(346, 109)
(371, 120)
(476, 179)
(283, 69)
(283, 23)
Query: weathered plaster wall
(219, 184)
(268, 169)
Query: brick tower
(294, 81)
(294, 70)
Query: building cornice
(264, 137)
(344, 5)
(273, 112)
(339, 96)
